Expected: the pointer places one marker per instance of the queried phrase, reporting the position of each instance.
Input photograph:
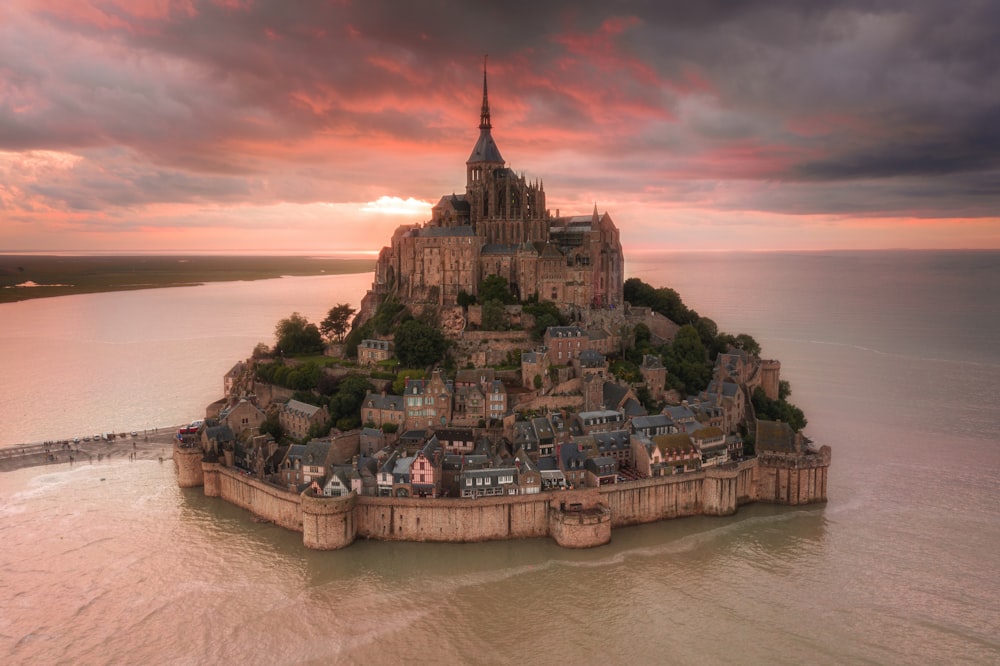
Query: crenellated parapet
(793, 478)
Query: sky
(260, 126)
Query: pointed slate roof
(486, 148)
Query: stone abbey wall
(573, 518)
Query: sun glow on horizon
(389, 205)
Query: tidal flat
(23, 277)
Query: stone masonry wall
(280, 506)
(575, 518)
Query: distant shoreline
(26, 277)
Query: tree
(784, 389)
(495, 288)
(748, 344)
(337, 322)
(707, 329)
(419, 344)
(297, 336)
(777, 410)
(546, 314)
(494, 316)
(271, 426)
(687, 359)
(345, 404)
(389, 313)
(399, 384)
(464, 298)
(663, 300)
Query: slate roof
(728, 389)
(221, 433)
(295, 452)
(616, 440)
(401, 470)
(614, 394)
(301, 407)
(317, 451)
(547, 464)
(378, 401)
(591, 359)
(485, 149)
(678, 413)
(571, 457)
(633, 407)
(564, 332)
(499, 248)
(650, 421)
(456, 201)
(601, 465)
(455, 434)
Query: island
(501, 380)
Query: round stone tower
(328, 522)
(187, 462)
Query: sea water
(892, 356)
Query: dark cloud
(279, 101)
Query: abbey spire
(485, 155)
(484, 115)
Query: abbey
(500, 226)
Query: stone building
(296, 418)
(371, 352)
(500, 226)
(428, 403)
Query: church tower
(485, 157)
(503, 208)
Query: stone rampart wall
(280, 506)
(650, 500)
(452, 520)
(575, 518)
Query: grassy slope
(85, 275)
